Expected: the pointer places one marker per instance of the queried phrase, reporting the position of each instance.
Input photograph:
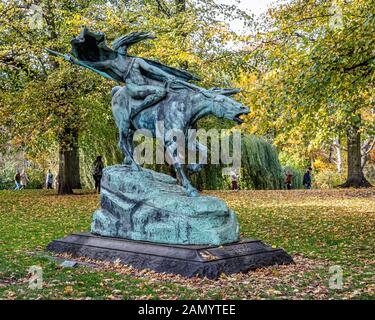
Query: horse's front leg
(122, 147)
(130, 148)
(125, 135)
(134, 165)
(191, 191)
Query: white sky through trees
(256, 7)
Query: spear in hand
(69, 58)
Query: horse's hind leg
(202, 150)
(121, 114)
(192, 192)
(129, 142)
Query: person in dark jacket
(307, 179)
(97, 172)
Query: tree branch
(362, 64)
(163, 8)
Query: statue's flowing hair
(130, 39)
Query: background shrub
(327, 179)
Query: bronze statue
(152, 93)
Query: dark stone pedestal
(187, 260)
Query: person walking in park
(97, 172)
(49, 179)
(307, 179)
(24, 179)
(17, 180)
(234, 177)
(289, 180)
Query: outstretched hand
(68, 57)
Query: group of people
(306, 179)
(97, 172)
(21, 180)
(288, 180)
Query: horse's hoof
(136, 167)
(193, 193)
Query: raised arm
(99, 64)
(94, 64)
(155, 70)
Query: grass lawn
(319, 228)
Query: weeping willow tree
(210, 178)
(100, 140)
(260, 168)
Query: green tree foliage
(260, 165)
(315, 63)
(50, 106)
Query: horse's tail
(114, 90)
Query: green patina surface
(150, 206)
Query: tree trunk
(74, 160)
(337, 145)
(69, 177)
(356, 178)
(64, 180)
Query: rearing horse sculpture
(152, 93)
(180, 110)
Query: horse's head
(225, 107)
